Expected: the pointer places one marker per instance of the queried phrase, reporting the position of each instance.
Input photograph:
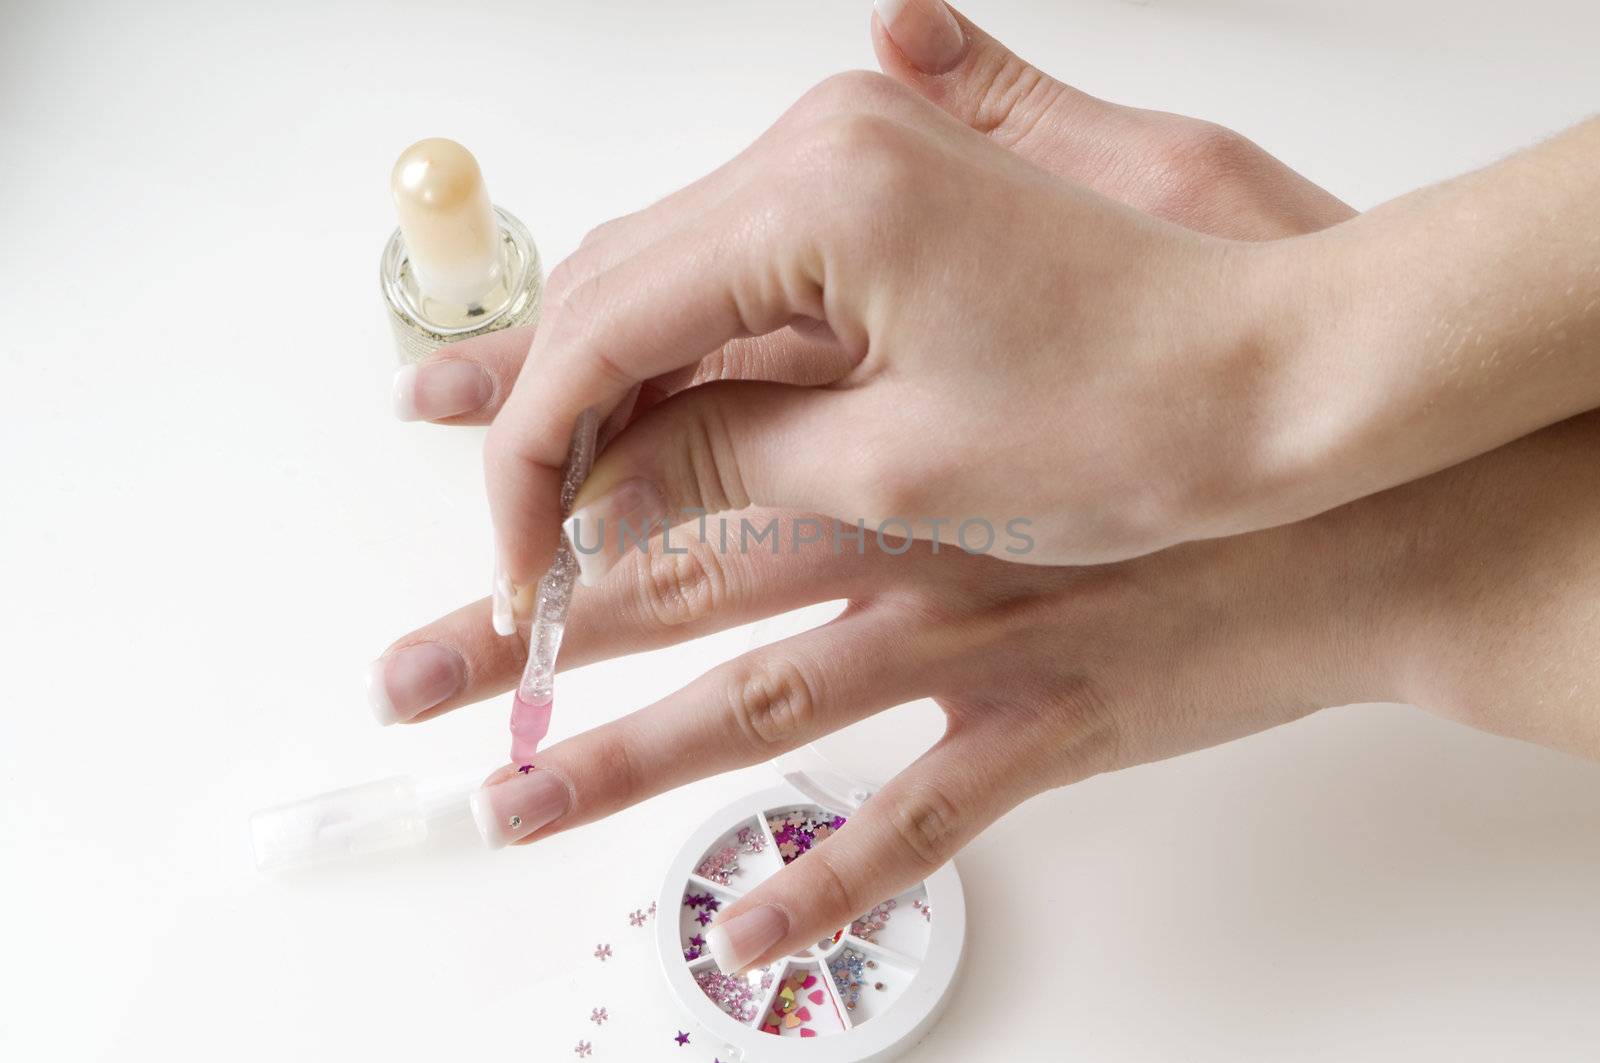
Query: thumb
(925, 44)
(713, 448)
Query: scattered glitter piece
(584, 1049)
(525, 768)
(797, 830)
(602, 953)
(925, 909)
(598, 1016)
(682, 1038)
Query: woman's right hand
(1186, 170)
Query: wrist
(1321, 427)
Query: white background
(210, 523)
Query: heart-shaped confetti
(791, 1021)
(816, 996)
(804, 1014)
(810, 981)
(808, 1032)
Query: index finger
(742, 272)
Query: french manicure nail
(413, 679)
(516, 806)
(602, 531)
(925, 31)
(435, 390)
(500, 596)
(738, 942)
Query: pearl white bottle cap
(447, 221)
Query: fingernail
(738, 942)
(605, 529)
(412, 680)
(500, 602)
(518, 805)
(440, 389)
(925, 32)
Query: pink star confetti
(584, 1049)
(651, 911)
(682, 1038)
(636, 918)
(704, 918)
(602, 953)
(598, 1016)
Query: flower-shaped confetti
(798, 830)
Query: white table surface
(210, 523)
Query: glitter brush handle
(531, 710)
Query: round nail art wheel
(867, 991)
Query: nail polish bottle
(457, 266)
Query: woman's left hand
(1051, 675)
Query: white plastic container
(869, 991)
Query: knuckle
(560, 282)
(845, 91)
(1212, 149)
(707, 465)
(830, 891)
(773, 705)
(884, 489)
(1015, 97)
(575, 323)
(926, 825)
(1199, 165)
(860, 157)
(602, 233)
(611, 759)
(681, 588)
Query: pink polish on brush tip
(530, 722)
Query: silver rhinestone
(516, 821)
